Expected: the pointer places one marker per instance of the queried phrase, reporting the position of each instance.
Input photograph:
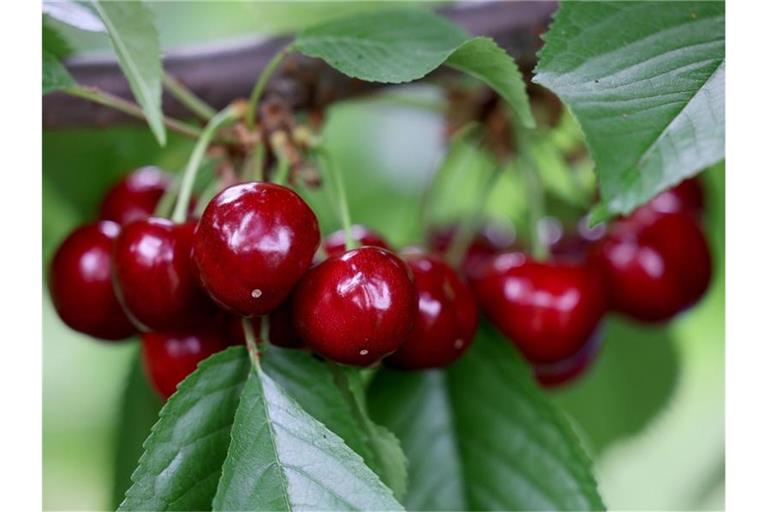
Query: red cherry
(170, 356)
(81, 283)
(157, 280)
(335, 243)
(654, 265)
(549, 310)
(565, 371)
(357, 307)
(252, 244)
(488, 241)
(685, 197)
(135, 196)
(447, 317)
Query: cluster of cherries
(254, 253)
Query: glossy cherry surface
(549, 310)
(170, 356)
(252, 244)
(135, 196)
(685, 197)
(487, 242)
(81, 283)
(357, 307)
(654, 265)
(447, 317)
(335, 243)
(157, 280)
(570, 369)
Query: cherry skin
(356, 308)
(447, 317)
(654, 265)
(570, 369)
(157, 281)
(685, 197)
(252, 244)
(549, 310)
(81, 283)
(488, 241)
(335, 243)
(169, 357)
(135, 196)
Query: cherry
(135, 196)
(81, 283)
(549, 310)
(335, 243)
(685, 197)
(488, 241)
(170, 356)
(447, 316)
(157, 280)
(357, 307)
(252, 244)
(565, 371)
(573, 244)
(654, 265)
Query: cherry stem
(250, 340)
(224, 117)
(254, 166)
(341, 196)
(261, 83)
(534, 193)
(187, 98)
(281, 170)
(127, 107)
(462, 238)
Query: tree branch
(221, 73)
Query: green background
(651, 411)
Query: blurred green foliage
(651, 411)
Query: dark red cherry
(447, 317)
(252, 244)
(156, 278)
(81, 283)
(335, 243)
(654, 265)
(488, 241)
(566, 371)
(685, 197)
(549, 310)
(170, 356)
(135, 196)
(357, 307)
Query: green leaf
(55, 75)
(281, 458)
(401, 45)
(132, 31)
(337, 400)
(649, 95)
(619, 396)
(139, 409)
(482, 436)
(53, 42)
(183, 455)
(483, 59)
